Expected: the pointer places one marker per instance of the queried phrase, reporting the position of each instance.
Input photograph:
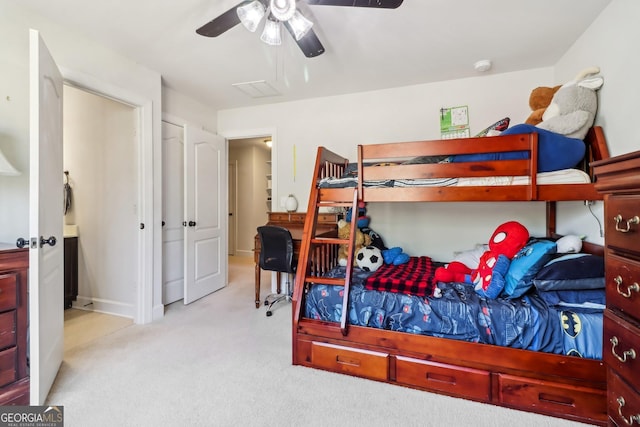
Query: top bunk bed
(437, 170)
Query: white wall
(403, 114)
(610, 43)
(82, 61)
(411, 113)
(186, 110)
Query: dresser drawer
(8, 291)
(8, 372)
(623, 402)
(621, 345)
(346, 360)
(549, 397)
(471, 383)
(7, 329)
(622, 222)
(623, 284)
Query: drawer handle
(632, 418)
(618, 219)
(631, 353)
(634, 287)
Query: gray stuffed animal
(573, 108)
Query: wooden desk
(294, 222)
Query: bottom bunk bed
(520, 353)
(532, 353)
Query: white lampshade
(251, 14)
(7, 168)
(282, 10)
(299, 25)
(271, 33)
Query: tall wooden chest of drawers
(14, 375)
(619, 179)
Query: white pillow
(471, 258)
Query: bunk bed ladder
(316, 251)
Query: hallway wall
(251, 196)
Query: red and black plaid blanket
(414, 277)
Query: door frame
(143, 306)
(232, 225)
(259, 133)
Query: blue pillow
(573, 297)
(525, 265)
(571, 271)
(555, 151)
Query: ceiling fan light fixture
(271, 33)
(299, 25)
(251, 14)
(282, 10)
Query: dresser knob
(631, 353)
(627, 294)
(618, 219)
(633, 418)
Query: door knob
(192, 223)
(51, 241)
(21, 242)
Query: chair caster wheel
(269, 313)
(266, 303)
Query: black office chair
(276, 254)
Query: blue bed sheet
(460, 313)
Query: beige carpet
(82, 326)
(221, 362)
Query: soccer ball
(369, 258)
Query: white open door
(172, 213)
(46, 268)
(205, 255)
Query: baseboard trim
(105, 306)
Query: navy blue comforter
(460, 313)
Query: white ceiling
(366, 49)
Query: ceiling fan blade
(309, 44)
(385, 4)
(222, 23)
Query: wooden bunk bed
(552, 384)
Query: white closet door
(172, 213)
(206, 186)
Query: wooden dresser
(619, 179)
(14, 375)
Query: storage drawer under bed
(553, 398)
(459, 381)
(346, 360)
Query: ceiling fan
(282, 12)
